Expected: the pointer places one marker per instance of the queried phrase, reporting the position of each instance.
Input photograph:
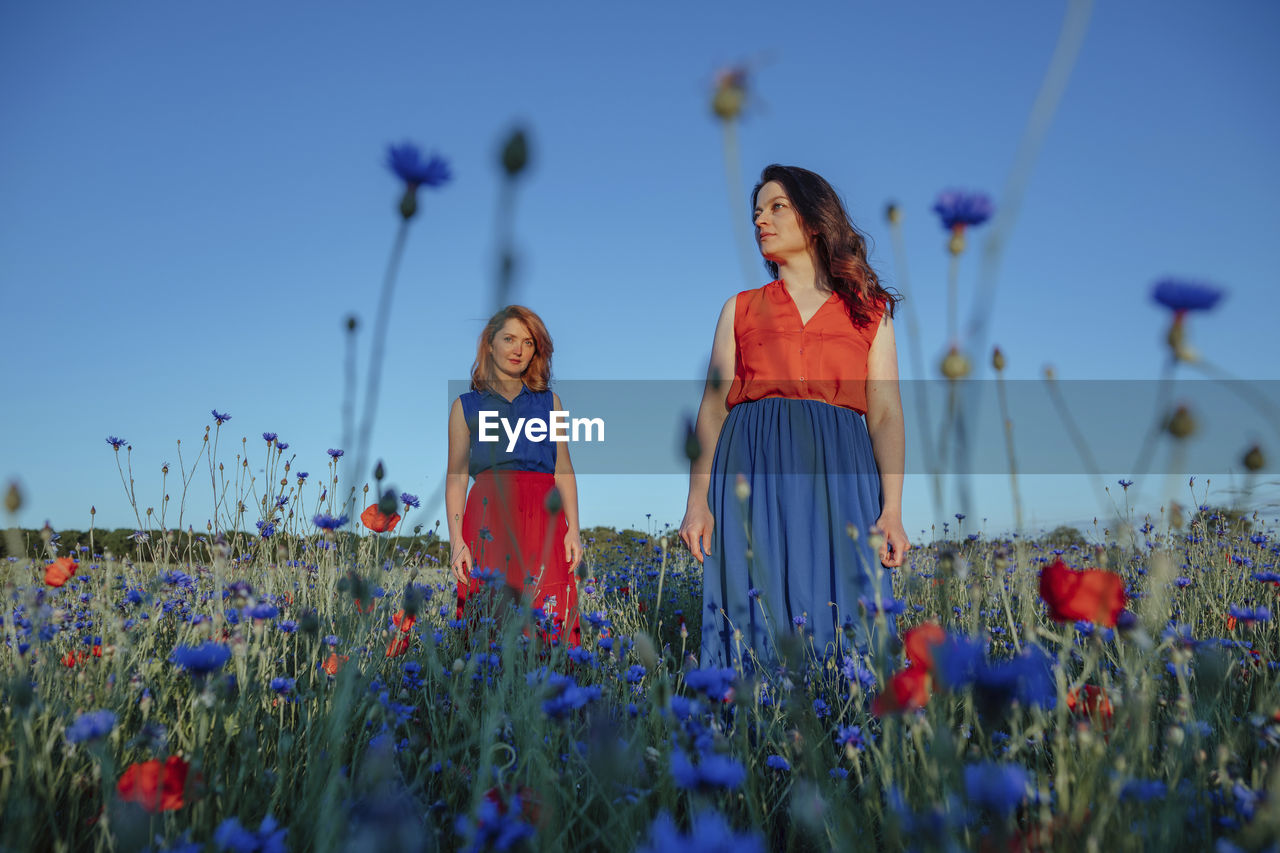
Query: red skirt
(511, 534)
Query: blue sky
(194, 198)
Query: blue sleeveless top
(526, 455)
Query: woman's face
(512, 349)
(779, 233)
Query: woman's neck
(799, 274)
(507, 387)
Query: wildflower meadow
(296, 673)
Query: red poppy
(334, 663)
(1231, 623)
(920, 640)
(1090, 700)
(361, 608)
(1093, 595)
(60, 571)
(404, 623)
(373, 519)
(154, 786)
(906, 691)
(397, 646)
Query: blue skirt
(790, 551)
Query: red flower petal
(60, 571)
(1093, 595)
(154, 786)
(920, 640)
(376, 521)
(906, 691)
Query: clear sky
(193, 197)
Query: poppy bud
(409, 202)
(730, 93)
(1254, 460)
(378, 471)
(1181, 424)
(851, 530)
(956, 244)
(955, 365)
(351, 322)
(892, 213)
(458, 665)
(13, 498)
(997, 359)
(388, 504)
(741, 488)
(515, 153)
(309, 623)
(692, 448)
(554, 502)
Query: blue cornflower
(1261, 613)
(282, 685)
(709, 833)
(495, 827)
(851, 736)
(484, 534)
(777, 762)
(569, 696)
(581, 656)
(269, 437)
(282, 446)
(335, 453)
(266, 529)
(714, 683)
(230, 835)
(821, 709)
(1183, 582)
(1267, 577)
(407, 162)
(302, 477)
(598, 620)
(713, 771)
(287, 626)
(410, 501)
(262, 611)
(959, 209)
(220, 417)
(328, 522)
(682, 707)
(1183, 296)
(1125, 484)
(116, 443)
(799, 621)
(91, 726)
(332, 640)
(281, 501)
(202, 659)
(999, 788)
(854, 671)
(605, 643)
(636, 674)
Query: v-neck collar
(804, 324)
(492, 393)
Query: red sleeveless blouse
(778, 356)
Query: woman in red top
(809, 441)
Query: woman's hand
(893, 553)
(573, 548)
(461, 563)
(696, 530)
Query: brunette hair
(840, 249)
(537, 374)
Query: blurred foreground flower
(60, 571)
(730, 94)
(91, 726)
(410, 166)
(710, 833)
(202, 659)
(154, 786)
(230, 835)
(958, 210)
(1183, 296)
(998, 788)
(1093, 595)
(907, 690)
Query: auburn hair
(537, 375)
(839, 248)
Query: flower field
(306, 689)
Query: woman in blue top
(519, 527)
